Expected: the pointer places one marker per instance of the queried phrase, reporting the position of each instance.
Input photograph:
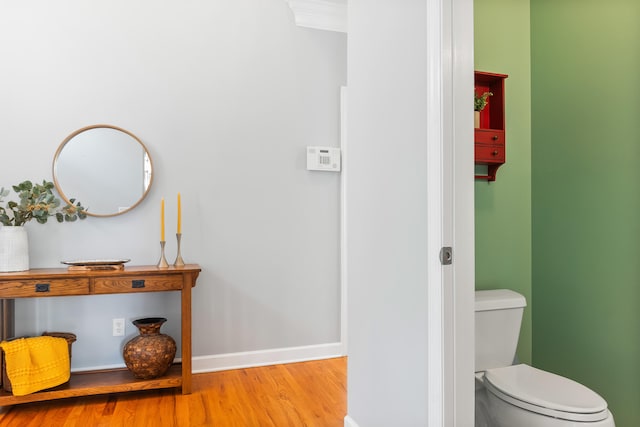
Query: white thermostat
(323, 159)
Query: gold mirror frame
(147, 178)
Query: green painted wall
(586, 196)
(503, 207)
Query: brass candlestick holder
(163, 260)
(179, 262)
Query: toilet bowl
(518, 395)
(521, 395)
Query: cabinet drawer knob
(495, 137)
(136, 284)
(42, 287)
(495, 152)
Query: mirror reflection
(106, 168)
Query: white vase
(476, 119)
(14, 249)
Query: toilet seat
(545, 393)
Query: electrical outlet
(118, 327)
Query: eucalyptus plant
(481, 101)
(38, 202)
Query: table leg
(186, 333)
(7, 328)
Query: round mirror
(106, 168)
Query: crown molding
(320, 14)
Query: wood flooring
(311, 394)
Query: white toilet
(509, 395)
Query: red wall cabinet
(489, 138)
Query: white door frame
(451, 222)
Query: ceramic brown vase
(150, 354)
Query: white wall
(387, 214)
(226, 95)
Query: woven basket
(14, 249)
(70, 337)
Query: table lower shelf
(102, 382)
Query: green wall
(586, 196)
(503, 207)
(562, 222)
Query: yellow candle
(162, 220)
(179, 215)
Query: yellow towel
(35, 364)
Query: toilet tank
(498, 318)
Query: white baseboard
(98, 368)
(222, 362)
(348, 422)
(249, 359)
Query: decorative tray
(96, 264)
(85, 262)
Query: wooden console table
(62, 282)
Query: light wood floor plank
(307, 394)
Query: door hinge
(446, 255)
